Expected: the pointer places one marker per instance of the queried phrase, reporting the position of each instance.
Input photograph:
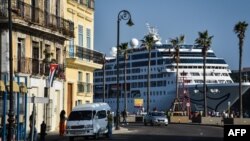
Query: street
(176, 132)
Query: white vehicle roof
(92, 106)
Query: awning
(2, 86)
(15, 86)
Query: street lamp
(122, 15)
(104, 62)
(11, 96)
(214, 91)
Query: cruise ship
(222, 92)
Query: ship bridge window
(224, 74)
(229, 81)
(211, 81)
(195, 74)
(209, 74)
(136, 93)
(209, 61)
(183, 73)
(221, 81)
(108, 67)
(143, 56)
(198, 81)
(217, 74)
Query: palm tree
(240, 29)
(124, 48)
(204, 41)
(148, 42)
(176, 43)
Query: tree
(124, 48)
(204, 41)
(240, 29)
(176, 43)
(148, 41)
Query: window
(78, 102)
(20, 54)
(71, 47)
(80, 115)
(80, 35)
(47, 11)
(88, 38)
(101, 114)
(58, 55)
(87, 77)
(58, 12)
(88, 82)
(79, 76)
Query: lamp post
(229, 105)
(104, 62)
(11, 97)
(122, 15)
(24, 90)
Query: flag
(52, 70)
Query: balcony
(36, 16)
(91, 58)
(89, 3)
(83, 87)
(36, 67)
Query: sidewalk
(54, 135)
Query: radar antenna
(154, 32)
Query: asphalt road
(175, 132)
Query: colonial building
(81, 59)
(38, 37)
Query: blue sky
(173, 18)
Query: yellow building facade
(81, 59)
(39, 32)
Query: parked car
(155, 118)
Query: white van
(88, 120)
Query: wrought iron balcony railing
(85, 53)
(36, 67)
(87, 3)
(35, 15)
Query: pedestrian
(62, 123)
(43, 131)
(110, 124)
(33, 130)
(124, 116)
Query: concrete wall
(179, 119)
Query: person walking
(110, 124)
(124, 116)
(33, 131)
(62, 123)
(43, 131)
